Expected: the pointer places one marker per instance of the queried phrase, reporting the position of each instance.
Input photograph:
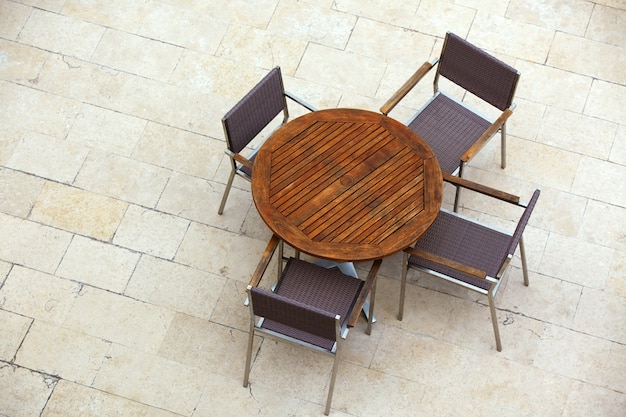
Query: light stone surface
(122, 290)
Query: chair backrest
(295, 317)
(477, 72)
(255, 111)
(521, 225)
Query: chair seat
(454, 237)
(324, 289)
(449, 128)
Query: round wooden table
(347, 185)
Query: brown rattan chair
(249, 117)
(469, 253)
(310, 305)
(454, 131)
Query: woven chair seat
(487, 251)
(449, 128)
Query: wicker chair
(253, 113)
(468, 253)
(454, 131)
(311, 306)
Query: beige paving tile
(437, 17)
(311, 23)
(560, 212)
(618, 151)
(571, 131)
(522, 40)
(23, 190)
(572, 354)
(118, 14)
(329, 66)
(569, 17)
(616, 284)
(151, 380)
(75, 399)
(198, 200)
(13, 328)
(90, 83)
(98, 263)
(399, 14)
(20, 63)
(41, 296)
(78, 211)
(24, 392)
(151, 232)
(53, 350)
(607, 25)
(495, 7)
(533, 160)
(589, 57)
(227, 311)
(210, 249)
(185, 152)
(14, 16)
(401, 397)
(206, 345)
(119, 319)
(552, 86)
(237, 11)
(601, 180)
(106, 130)
(537, 301)
(36, 111)
(122, 178)
(137, 55)
(525, 121)
(588, 400)
(604, 101)
(175, 287)
(51, 5)
(48, 157)
(31, 244)
(576, 261)
(373, 39)
(200, 32)
(263, 48)
(61, 34)
(11, 136)
(596, 229)
(255, 400)
(599, 314)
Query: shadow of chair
(310, 306)
(454, 131)
(468, 253)
(248, 118)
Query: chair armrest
(367, 287)
(475, 272)
(407, 86)
(265, 261)
(300, 101)
(242, 160)
(483, 189)
(484, 138)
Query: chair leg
(246, 373)
(333, 377)
(226, 191)
(405, 265)
(503, 146)
(457, 195)
(522, 253)
(494, 320)
(370, 316)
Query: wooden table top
(347, 185)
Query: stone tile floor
(121, 288)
